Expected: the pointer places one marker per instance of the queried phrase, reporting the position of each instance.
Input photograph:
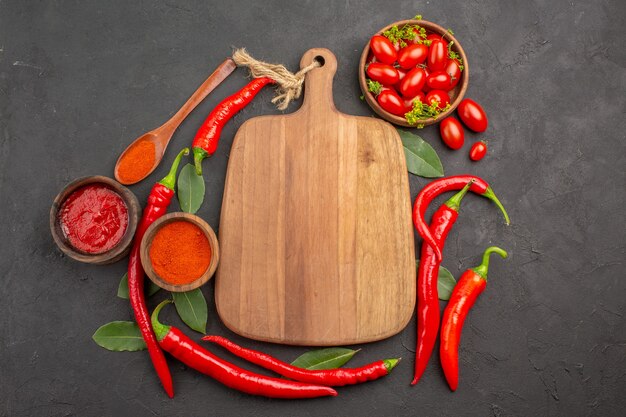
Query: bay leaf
(192, 309)
(328, 358)
(445, 282)
(421, 158)
(122, 289)
(190, 189)
(120, 336)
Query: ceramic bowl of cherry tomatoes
(413, 73)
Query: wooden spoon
(162, 135)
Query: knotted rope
(289, 84)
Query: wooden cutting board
(315, 234)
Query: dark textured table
(80, 80)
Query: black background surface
(80, 79)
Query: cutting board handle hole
(320, 59)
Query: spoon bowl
(159, 138)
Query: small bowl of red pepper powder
(179, 252)
(93, 220)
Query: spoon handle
(220, 73)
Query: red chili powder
(94, 218)
(180, 252)
(137, 162)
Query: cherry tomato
(426, 88)
(417, 38)
(383, 49)
(436, 37)
(383, 73)
(401, 74)
(419, 96)
(391, 102)
(439, 96)
(452, 132)
(437, 56)
(408, 102)
(472, 115)
(478, 151)
(454, 71)
(412, 83)
(438, 80)
(411, 55)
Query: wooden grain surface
(315, 232)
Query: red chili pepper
(330, 377)
(437, 187)
(208, 136)
(191, 354)
(469, 287)
(158, 201)
(427, 297)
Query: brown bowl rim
(115, 253)
(149, 236)
(371, 101)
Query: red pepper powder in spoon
(137, 161)
(180, 252)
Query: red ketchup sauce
(94, 218)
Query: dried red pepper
(440, 186)
(330, 377)
(184, 349)
(427, 297)
(159, 199)
(471, 284)
(208, 136)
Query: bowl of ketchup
(93, 220)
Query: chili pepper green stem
(492, 196)
(483, 268)
(170, 179)
(455, 201)
(391, 363)
(160, 329)
(198, 156)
